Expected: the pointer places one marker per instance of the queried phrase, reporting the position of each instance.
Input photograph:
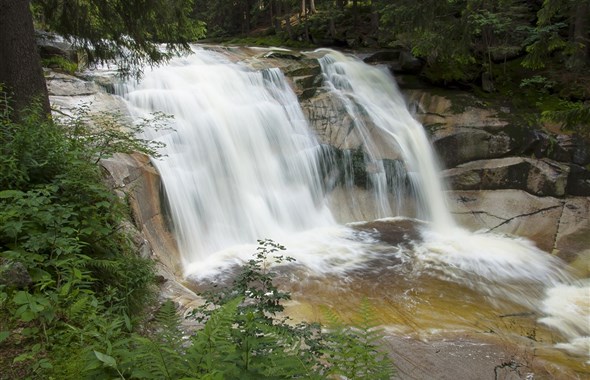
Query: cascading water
(381, 118)
(241, 164)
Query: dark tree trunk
(581, 33)
(288, 26)
(355, 15)
(20, 63)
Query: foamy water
(241, 164)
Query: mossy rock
(308, 67)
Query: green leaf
(109, 361)
(5, 194)
(21, 298)
(27, 316)
(4, 335)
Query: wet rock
(383, 56)
(307, 67)
(578, 182)
(463, 131)
(457, 358)
(307, 86)
(538, 177)
(572, 240)
(514, 212)
(68, 94)
(14, 274)
(52, 45)
(460, 145)
(283, 54)
(327, 116)
(410, 64)
(133, 176)
(59, 84)
(397, 232)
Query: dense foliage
(73, 291)
(69, 274)
(492, 45)
(127, 32)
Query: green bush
(77, 319)
(62, 223)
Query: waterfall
(240, 163)
(383, 122)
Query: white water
(241, 165)
(240, 162)
(382, 119)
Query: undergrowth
(73, 293)
(69, 276)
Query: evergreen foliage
(127, 32)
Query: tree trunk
(312, 9)
(20, 63)
(374, 21)
(581, 34)
(288, 26)
(355, 16)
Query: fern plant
(265, 344)
(353, 351)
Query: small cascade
(384, 124)
(240, 163)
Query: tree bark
(20, 64)
(581, 34)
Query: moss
(272, 40)
(61, 64)
(431, 128)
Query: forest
(75, 300)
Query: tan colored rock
(572, 242)
(513, 212)
(134, 177)
(539, 177)
(328, 118)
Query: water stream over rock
(241, 164)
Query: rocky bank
(502, 176)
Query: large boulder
(513, 212)
(133, 177)
(59, 84)
(538, 177)
(572, 242)
(68, 94)
(52, 45)
(578, 181)
(463, 129)
(558, 226)
(14, 274)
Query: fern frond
(354, 351)
(212, 347)
(154, 360)
(103, 264)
